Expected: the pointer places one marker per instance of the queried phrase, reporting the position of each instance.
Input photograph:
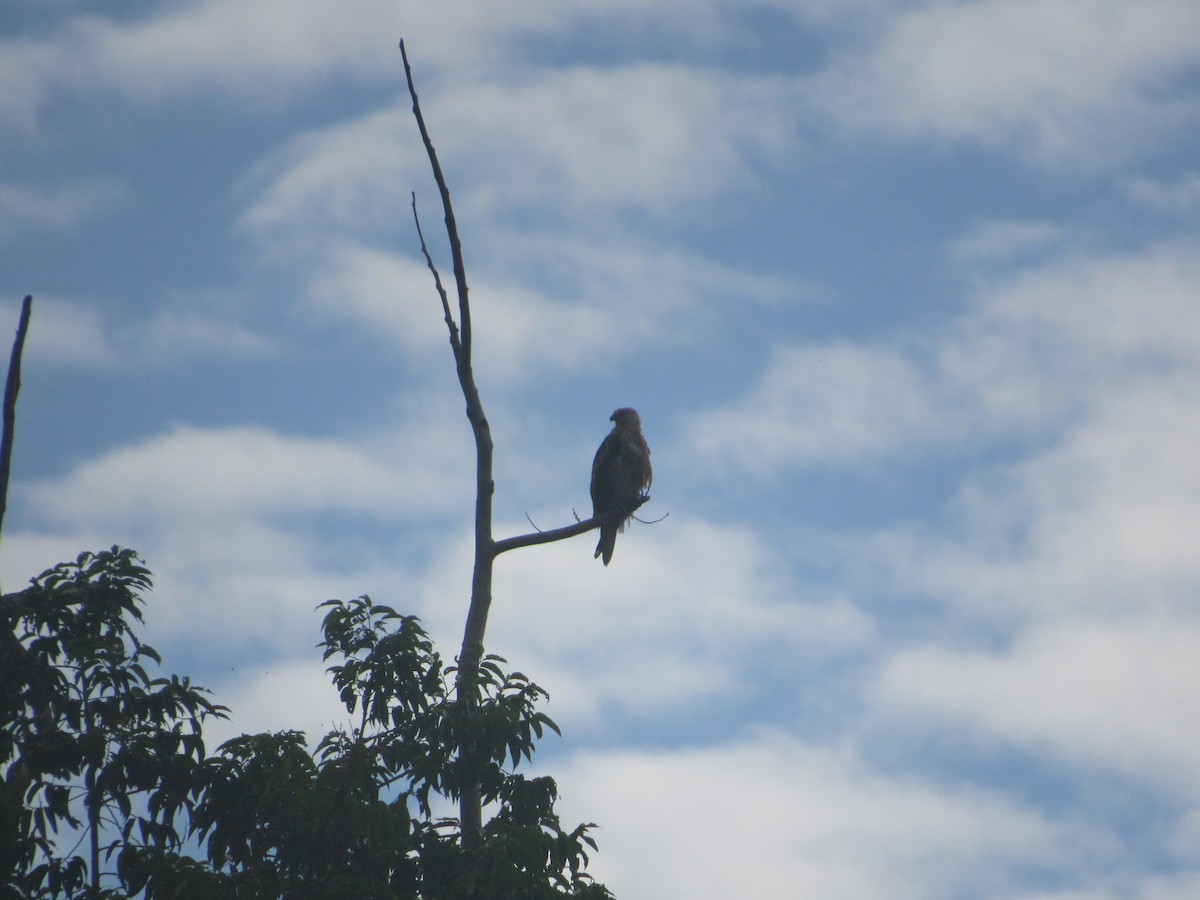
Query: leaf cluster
(108, 791)
(90, 741)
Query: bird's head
(625, 417)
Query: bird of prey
(620, 474)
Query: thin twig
(437, 283)
(651, 521)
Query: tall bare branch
(486, 547)
(470, 804)
(460, 271)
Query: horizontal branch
(15, 603)
(567, 531)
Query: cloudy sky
(907, 294)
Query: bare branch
(11, 388)
(470, 802)
(11, 604)
(486, 547)
(460, 272)
(437, 283)
(567, 531)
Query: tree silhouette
(486, 547)
(107, 790)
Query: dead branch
(567, 531)
(455, 344)
(470, 802)
(486, 548)
(460, 272)
(12, 386)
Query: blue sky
(908, 297)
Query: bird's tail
(606, 544)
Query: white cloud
(88, 335)
(577, 144)
(1176, 886)
(1120, 308)
(247, 526)
(251, 51)
(254, 53)
(1068, 82)
(281, 695)
(1037, 348)
(221, 596)
(24, 67)
(545, 297)
(836, 404)
(1078, 551)
(648, 137)
(541, 304)
(64, 333)
(687, 611)
(1179, 196)
(350, 178)
(1100, 523)
(23, 207)
(218, 474)
(243, 49)
(769, 816)
(1045, 345)
(1001, 241)
(1116, 693)
(247, 590)
(1059, 82)
(518, 332)
(389, 293)
(169, 337)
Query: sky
(907, 295)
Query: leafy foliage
(93, 746)
(91, 743)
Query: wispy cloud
(1039, 346)
(1179, 196)
(210, 474)
(697, 613)
(1069, 83)
(579, 144)
(23, 207)
(647, 137)
(1115, 694)
(805, 820)
(242, 50)
(81, 333)
(1096, 523)
(1003, 241)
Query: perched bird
(620, 474)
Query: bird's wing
(603, 469)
